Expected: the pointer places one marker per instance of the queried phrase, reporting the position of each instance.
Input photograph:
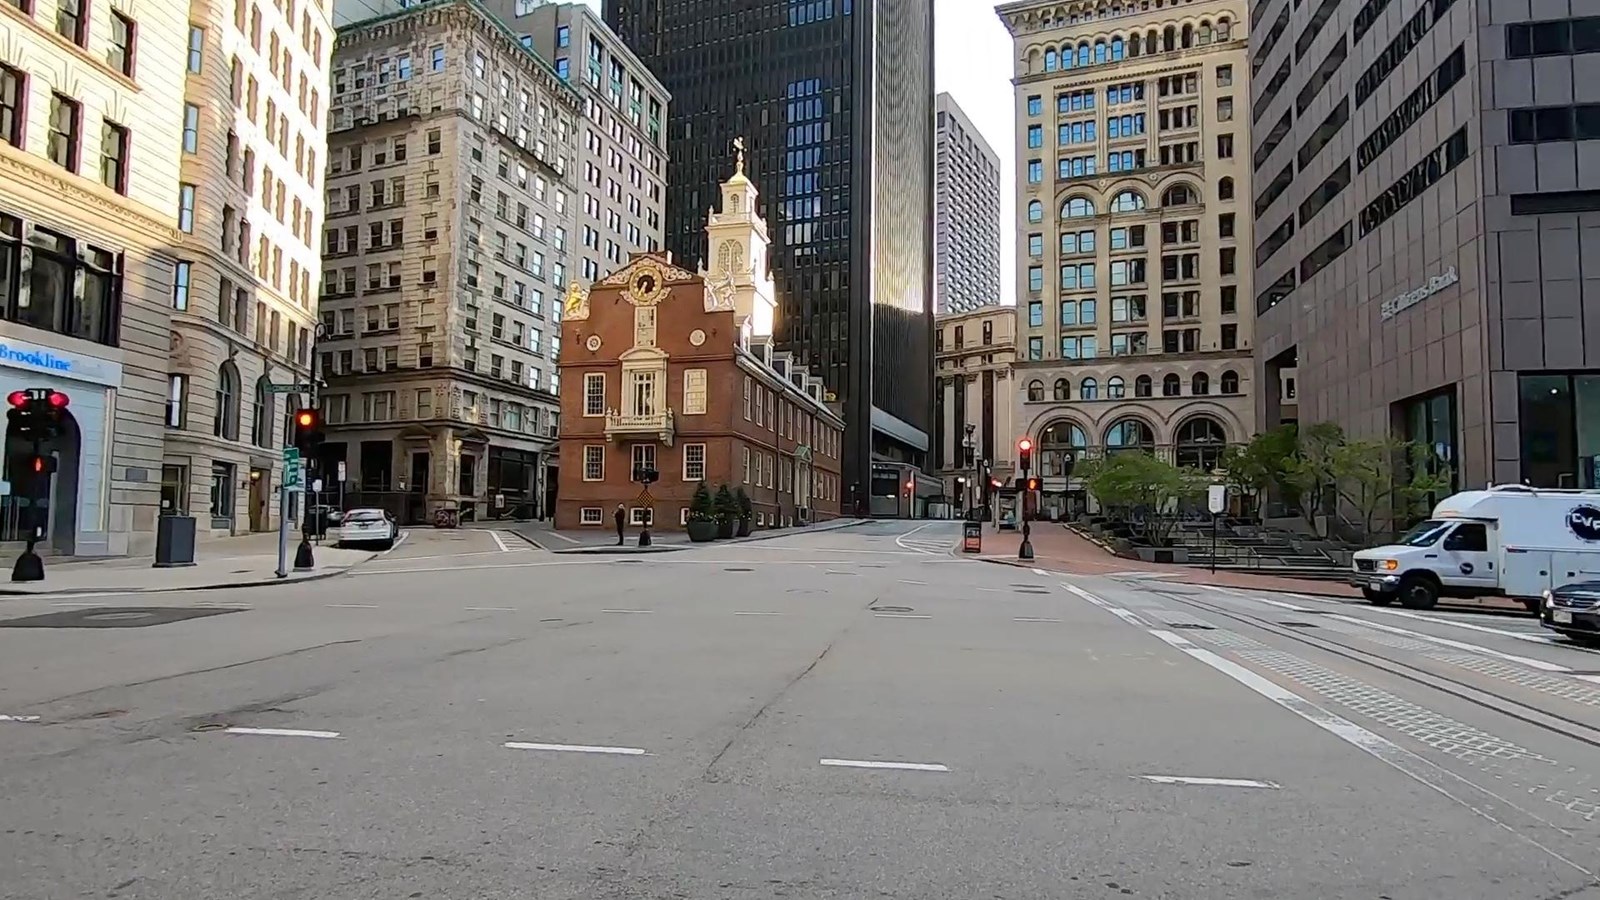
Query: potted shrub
(746, 511)
(702, 524)
(727, 512)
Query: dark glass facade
(838, 121)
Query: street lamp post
(970, 464)
(1025, 462)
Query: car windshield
(364, 515)
(1425, 534)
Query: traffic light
(307, 430)
(1024, 455)
(36, 413)
(646, 475)
(1033, 482)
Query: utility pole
(1024, 462)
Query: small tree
(1259, 466)
(1309, 473)
(701, 508)
(746, 508)
(1382, 480)
(1142, 485)
(727, 509)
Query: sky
(972, 61)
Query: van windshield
(1425, 534)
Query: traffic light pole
(1025, 462)
(29, 565)
(283, 526)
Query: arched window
(1063, 390)
(1230, 382)
(1102, 53)
(1200, 384)
(1088, 389)
(1127, 201)
(1116, 388)
(1118, 50)
(1060, 442)
(1205, 33)
(1169, 39)
(1188, 36)
(1050, 64)
(266, 403)
(1142, 386)
(1130, 434)
(1083, 54)
(1224, 29)
(1171, 386)
(1035, 211)
(1225, 189)
(225, 423)
(291, 404)
(1134, 44)
(1077, 208)
(1180, 195)
(1200, 443)
(1035, 390)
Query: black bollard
(1026, 550)
(303, 559)
(29, 566)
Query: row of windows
(1118, 48)
(64, 141)
(1173, 340)
(72, 23)
(1143, 386)
(1132, 308)
(1128, 201)
(419, 404)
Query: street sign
(289, 388)
(1217, 498)
(645, 500)
(293, 475)
(291, 455)
(341, 475)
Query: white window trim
(584, 463)
(586, 377)
(636, 516)
(702, 462)
(683, 515)
(584, 517)
(695, 408)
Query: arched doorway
(48, 501)
(1062, 444)
(1200, 443)
(1130, 434)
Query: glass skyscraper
(837, 113)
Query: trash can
(174, 541)
(972, 537)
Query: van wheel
(1417, 592)
(1377, 598)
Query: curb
(530, 540)
(264, 582)
(671, 548)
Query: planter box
(725, 529)
(744, 528)
(1177, 555)
(701, 532)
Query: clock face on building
(593, 343)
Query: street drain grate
(738, 570)
(1297, 624)
(1029, 591)
(117, 617)
(898, 609)
(1192, 626)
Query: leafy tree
(1259, 466)
(727, 508)
(1142, 486)
(1309, 473)
(701, 508)
(1382, 480)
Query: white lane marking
(901, 616)
(499, 542)
(1086, 595)
(878, 764)
(1278, 603)
(909, 581)
(1173, 639)
(1032, 619)
(754, 612)
(1210, 782)
(352, 606)
(490, 608)
(900, 541)
(1455, 645)
(558, 535)
(574, 748)
(1408, 763)
(990, 590)
(281, 732)
(1519, 635)
(1041, 572)
(397, 542)
(630, 612)
(4, 718)
(1127, 616)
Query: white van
(1509, 540)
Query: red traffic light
(305, 418)
(994, 483)
(17, 398)
(58, 400)
(38, 464)
(1033, 483)
(1024, 445)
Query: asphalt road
(854, 714)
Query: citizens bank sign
(1437, 283)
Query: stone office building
(673, 370)
(449, 241)
(1428, 182)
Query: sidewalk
(244, 561)
(662, 539)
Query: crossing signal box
(36, 413)
(1024, 455)
(307, 430)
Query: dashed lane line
(574, 748)
(883, 764)
(282, 732)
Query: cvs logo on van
(1585, 522)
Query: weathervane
(738, 154)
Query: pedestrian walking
(620, 520)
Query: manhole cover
(891, 609)
(738, 570)
(116, 617)
(210, 726)
(1192, 626)
(1297, 624)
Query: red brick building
(674, 370)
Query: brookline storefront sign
(1437, 283)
